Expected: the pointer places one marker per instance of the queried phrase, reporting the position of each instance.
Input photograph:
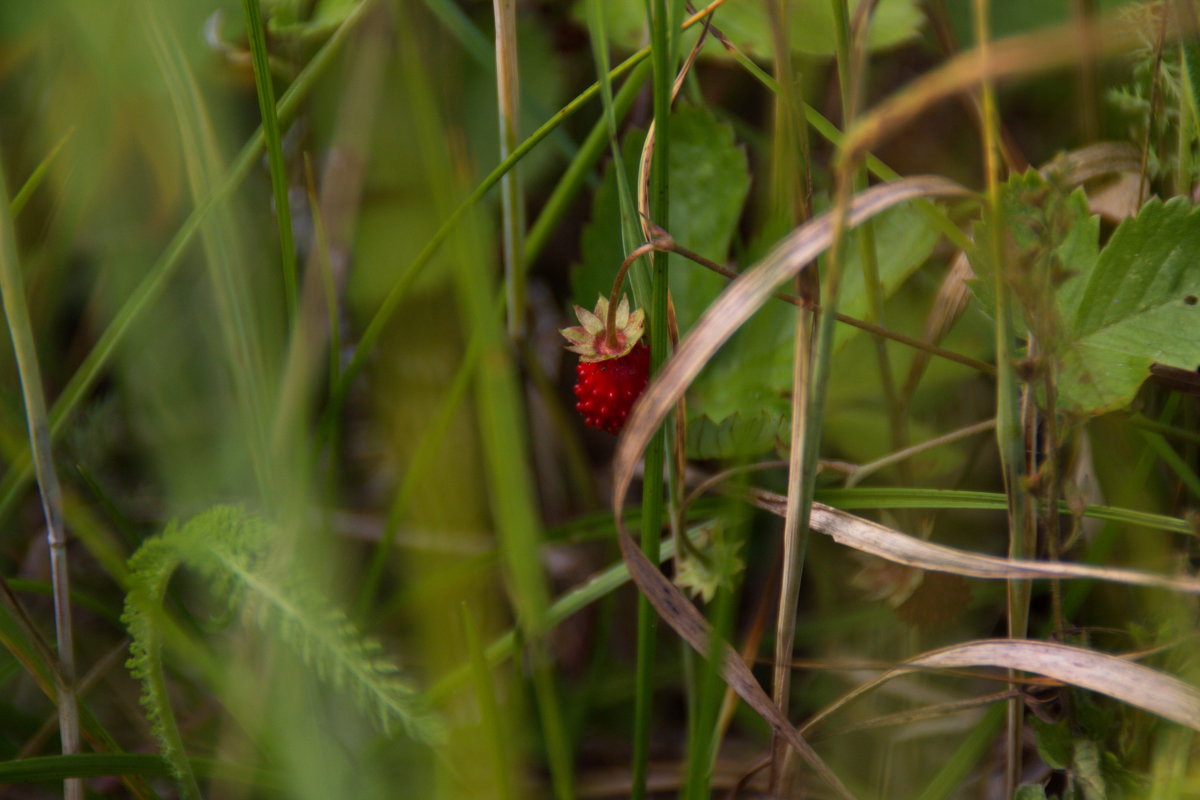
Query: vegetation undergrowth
(296, 501)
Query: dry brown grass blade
(900, 548)
(1145, 688)
(1026, 54)
(735, 305)
(1077, 167)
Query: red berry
(608, 389)
(613, 363)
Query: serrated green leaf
(1137, 306)
(748, 25)
(1116, 311)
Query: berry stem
(610, 326)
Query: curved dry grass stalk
(1119, 678)
(1026, 54)
(900, 548)
(734, 306)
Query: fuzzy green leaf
(228, 547)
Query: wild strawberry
(613, 365)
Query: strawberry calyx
(594, 340)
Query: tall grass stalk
(512, 204)
(1009, 436)
(659, 20)
(792, 180)
(489, 709)
(225, 258)
(20, 329)
(265, 85)
(852, 68)
(503, 429)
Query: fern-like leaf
(227, 546)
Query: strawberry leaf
(1136, 304)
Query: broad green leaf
(1136, 306)
(748, 25)
(1030, 791)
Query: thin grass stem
(793, 189)
(273, 139)
(489, 710)
(20, 329)
(511, 201)
(1008, 412)
(658, 19)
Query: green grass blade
(21, 198)
(863, 498)
(511, 199)
(98, 765)
(663, 75)
(489, 709)
(966, 758)
(271, 134)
